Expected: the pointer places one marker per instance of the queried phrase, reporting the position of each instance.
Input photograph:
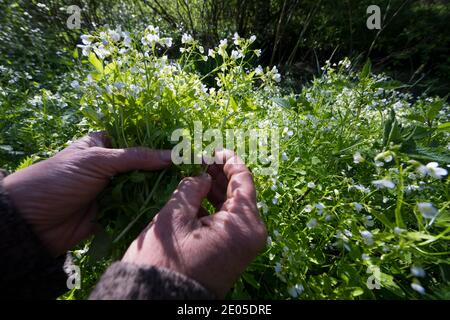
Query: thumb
(186, 200)
(124, 160)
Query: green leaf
(110, 67)
(416, 117)
(435, 107)
(75, 53)
(282, 102)
(251, 280)
(249, 105)
(417, 236)
(90, 113)
(444, 127)
(387, 281)
(233, 104)
(429, 154)
(357, 292)
(95, 62)
(366, 70)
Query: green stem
(143, 208)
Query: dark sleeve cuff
(126, 281)
(27, 270)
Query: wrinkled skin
(57, 197)
(212, 249)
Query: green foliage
(350, 199)
(360, 195)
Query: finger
(187, 198)
(124, 160)
(217, 195)
(94, 139)
(241, 193)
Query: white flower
(398, 230)
(262, 206)
(427, 210)
(358, 207)
(284, 156)
(308, 208)
(258, 52)
(211, 53)
(222, 47)
(236, 38)
(135, 89)
(311, 185)
(36, 101)
(417, 287)
(236, 54)
(86, 39)
(115, 34)
(269, 241)
(252, 39)
(432, 169)
(296, 290)
(259, 70)
(119, 85)
(379, 163)
(386, 156)
(311, 223)
(275, 75)
(275, 199)
(365, 257)
(101, 52)
(320, 206)
(75, 84)
(358, 158)
(418, 272)
(277, 267)
(150, 39)
(85, 49)
(367, 236)
(383, 183)
(126, 39)
(361, 188)
(167, 42)
(223, 43)
(368, 221)
(43, 6)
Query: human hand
(211, 249)
(57, 197)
